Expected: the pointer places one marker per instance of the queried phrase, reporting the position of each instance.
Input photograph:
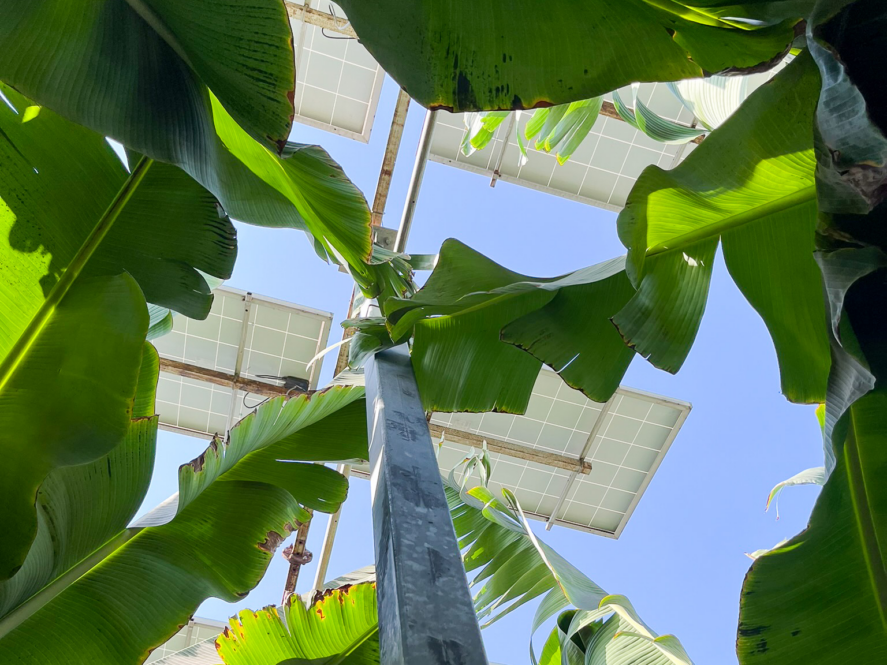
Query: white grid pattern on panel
(600, 172)
(537, 487)
(195, 631)
(199, 408)
(338, 83)
(192, 405)
(624, 455)
(627, 449)
(558, 419)
(281, 338)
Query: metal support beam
(406, 222)
(395, 134)
(572, 477)
(329, 537)
(512, 118)
(320, 19)
(426, 616)
(509, 449)
(223, 379)
(297, 556)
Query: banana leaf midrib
(339, 658)
(61, 288)
(796, 199)
(862, 509)
(44, 596)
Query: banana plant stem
(70, 274)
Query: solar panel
(537, 455)
(338, 83)
(279, 340)
(194, 644)
(624, 447)
(601, 172)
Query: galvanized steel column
(426, 615)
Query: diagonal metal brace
(426, 616)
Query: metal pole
(329, 537)
(238, 363)
(426, 616)
(297, 556)
(409, 209)
(395, 134)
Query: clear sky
(681, 558)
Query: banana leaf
(830, 579)
(138, 70)
(473, 317)
(339, 626)
(513, 567)
(465, 56)
(58, 179)
(480, 129)
(203, 87)
(749, 186)
(72, 220)
(658, 129)
(851, 163)
(218, 544)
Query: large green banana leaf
(469, 56)
(580, 638)
(138, 70)
(301, 188)
(79, 508)
(65, 393)
(750, 185)
(204, 87)
(851, 174)
(71, 215)
(470, 306)
(57, 180)
(218, 544)
(513, 567)
(338, 627)
(820, 597)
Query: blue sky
(681, 558)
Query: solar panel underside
(280, 341)
(338, 83)
(627, 448)
(601, 172)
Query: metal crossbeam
(426, 616)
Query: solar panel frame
(319, 59)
